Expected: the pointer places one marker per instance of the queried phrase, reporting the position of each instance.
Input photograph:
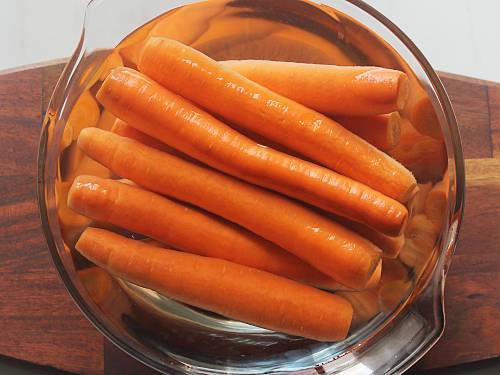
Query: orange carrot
(330, 89)
(417, 204)
(436, 202)
(365, 305)
(393, 293)
(390, 246)
(329, 247)
(421, 113)
(423, 155)
(85, 113)
(221, 90)
(421, 236)
(303, 272)
(125, 130)
(188, 229)
(382, 131)
(235, 291)
(157, 112)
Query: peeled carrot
(235, 291)
(329, 247)
(417, 204)
(365, 305)
(309, 276)
(425, 156)
(390, 246)
(421, 113)
(382, 131)
(330, 89)
(85, 113)
(187, 229)
(125, 130)
(436, 202)
(421, 237)
(221, 90)
(170, 118)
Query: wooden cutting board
(39, 322)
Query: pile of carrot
(267, 199)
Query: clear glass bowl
(174, 338)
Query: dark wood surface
(39, 322)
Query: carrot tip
(403, 92)
(394, 134)
(84, 137)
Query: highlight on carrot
(330, 89)
(188, 229)
(329, 247)
(382, 131)
(200, 79)
(170, 118)
(220, 286)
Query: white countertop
(457, 36)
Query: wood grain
(470, 101)
(116, 362)
(41, 324)
(494, 109)
(472, 293)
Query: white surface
(457, 36)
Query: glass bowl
(175, 338)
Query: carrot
(392, 294)
(365, 305)
(235, 291)
(417, 205)
(106, 120)
(382, 131)
(329, 247)
(390, 246)
(437, 202)
(220, 90)
(285, 267)
(425, 156)
(188, 229)
(85, 113)
(330, 89)
(123, 129)
(421, 237)
(308, 275)
(394, 270)
(421, 113)
(157, 112)
(113, 61)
